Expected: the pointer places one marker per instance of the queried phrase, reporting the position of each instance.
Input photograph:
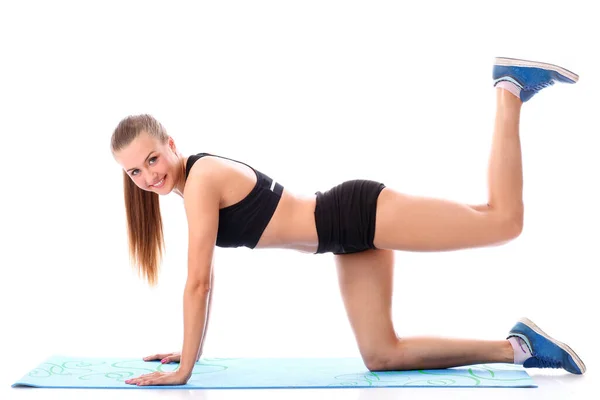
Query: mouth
(160, 183)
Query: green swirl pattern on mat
(482, 376)
(232, 373)
(118, 371)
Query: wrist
(186, 366)
(184, 372)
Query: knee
(383, 359)
(509, 224)
(375, 363)
(515, 223)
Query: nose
(152, 180)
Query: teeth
(159, 183)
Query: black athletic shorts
(345, 217)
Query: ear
(172, 144)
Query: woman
(229, 204)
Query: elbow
(197, 286)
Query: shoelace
(544, 362)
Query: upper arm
(202, 199)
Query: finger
(150, 381)
(156, 357)
(141, 378)
(169, 359)
(133, 381)
(136, 381)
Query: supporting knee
(384, 359)
(509, 225)
(515, 224)
(375, 363)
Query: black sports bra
(243, 223)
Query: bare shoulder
(220, 170)
(201, 199)
(204, 168)
(207, 174)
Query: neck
(180, 184)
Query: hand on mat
(159, 378)
(164, 358)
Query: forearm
(207, 318)
(195, 300)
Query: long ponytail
(144, 222)
(144, 229)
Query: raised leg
(416, 223)
(366, 285)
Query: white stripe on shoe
(515, 62)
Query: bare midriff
(292, 225)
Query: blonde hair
(144, 222)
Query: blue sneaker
(546, 352)
(530, 76)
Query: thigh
(417, 223)
(366, 284)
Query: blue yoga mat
(265, 373)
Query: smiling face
(153, 166)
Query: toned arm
(212, 287)
(201, 200)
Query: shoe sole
(563, 346)
(515, 62)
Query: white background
(312, 93)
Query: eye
(133, 173)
